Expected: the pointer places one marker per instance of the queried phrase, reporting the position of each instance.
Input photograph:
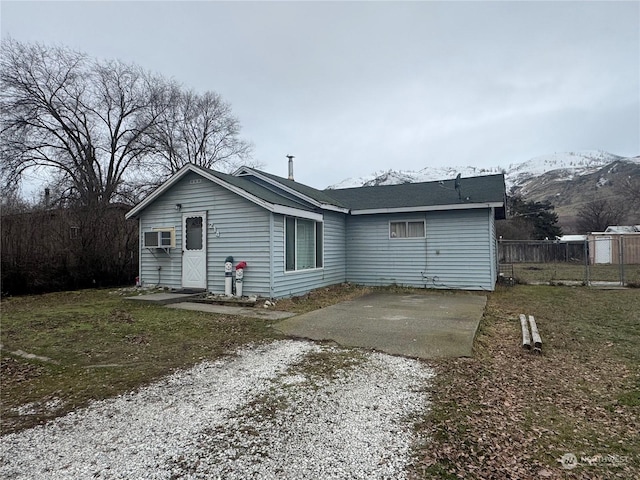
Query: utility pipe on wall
(228, 276)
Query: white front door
(194, 250)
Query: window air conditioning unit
(158, 239)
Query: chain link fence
(597, 260)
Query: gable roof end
(242, 187)
(159, 191)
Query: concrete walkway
(181, 301)
(251, 312)
(430, 325)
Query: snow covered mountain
(567, 180)
(567, 165)
(428, 174)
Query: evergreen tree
(535, 220)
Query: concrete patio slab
(164, 298)
(429, 325)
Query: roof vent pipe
(290, 157)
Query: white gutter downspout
(271, 252)
(494, 248)
(140, 251)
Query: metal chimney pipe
(290, 157)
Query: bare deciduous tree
(631, 190)
(104, 130)
(76, 117)
(598, 214)
(198, 129)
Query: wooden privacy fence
(596, 249)
(540, 251)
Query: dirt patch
(120, 315)
(13, 371)
(320, 298)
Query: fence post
(621, 258)
(586, 261)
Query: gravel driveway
(285, 410)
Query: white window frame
(315, 245)
(407, 222)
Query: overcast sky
(352, 88)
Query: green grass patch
(101, 345)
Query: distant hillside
(567, 180)
(568, 191)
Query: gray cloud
(354, 87)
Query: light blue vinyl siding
(376, 259)
(235, 226)
(286, 284)
(460, 250)
(456, 252)
(162, 213)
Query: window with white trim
(407, 229)
(303, 244)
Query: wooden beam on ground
(526, 340)
(535, 335)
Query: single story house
(296, 238)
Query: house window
(407, 229)
(303, 244)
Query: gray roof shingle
(258, 190)
(485, 189)
(321, 196)
(473, 190)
